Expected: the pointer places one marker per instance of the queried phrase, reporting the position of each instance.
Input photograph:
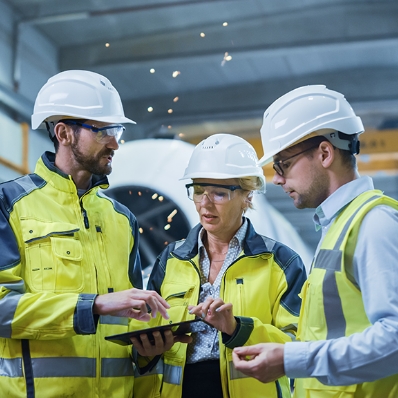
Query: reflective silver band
(64, 367)
(157, 370)
(113, 320)
(234, 373)
(11, 367)
(116, 367)
(348, 223)
(18, 287)
(172, 374)
(68, 367)
(330, 261)
(26, 183)
(8, 306)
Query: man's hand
(262, 361)
(131, 303)
(147, 349)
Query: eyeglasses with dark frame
(102, 134)
(277, 166)
(216, 193)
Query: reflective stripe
(172, 374)
(178, 244)
(113, 320)
(269, 243)
(26, 183)
(157, 370)
(234, 373)
(330, 261)
(18, 287)
(116, 367)
(8, 306)
(11, 367)
(348, 223)
(64, 367)
(335, 320)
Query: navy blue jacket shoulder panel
(10, 193)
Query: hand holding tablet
(179, 328)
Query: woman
(244, 285)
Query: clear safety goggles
(216, 193)
(102, 134)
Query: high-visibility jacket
(263, 284)
(57, 253)
(332, 304)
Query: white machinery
(145, 178)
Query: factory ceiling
(198, 67)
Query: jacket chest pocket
(53, 256)
(178, 297)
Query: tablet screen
(192, 326)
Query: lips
(208, 217)
(108, 155)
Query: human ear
(248, 200)
(63, 133)
(327, 153)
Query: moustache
(107, 152)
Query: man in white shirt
(348, 327)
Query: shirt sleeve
(372, 354)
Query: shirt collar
(239, 235)
(332, 206)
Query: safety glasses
(102, 134)
(280, 166)
(216, 193)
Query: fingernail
(203, 315)
(190, 311)
(218, 309)
(167, 316)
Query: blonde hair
(251, 183)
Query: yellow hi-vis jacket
(263, 284)
(58, 252)
(332, 304)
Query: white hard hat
(78, 94)
(223, 156)
(304, 111)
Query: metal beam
(16, 102)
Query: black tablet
(192, 326)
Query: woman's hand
(216, 313)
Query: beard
(315, 193)
(92, 163)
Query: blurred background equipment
(145, 178)
(193, 68)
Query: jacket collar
(46, 168)
(253, 243)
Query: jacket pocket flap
(36, 230)
(70, 249)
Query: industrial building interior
(186, 69)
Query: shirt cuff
(295, 359)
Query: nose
(112, 143)
(278, 179)
(205, 195)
